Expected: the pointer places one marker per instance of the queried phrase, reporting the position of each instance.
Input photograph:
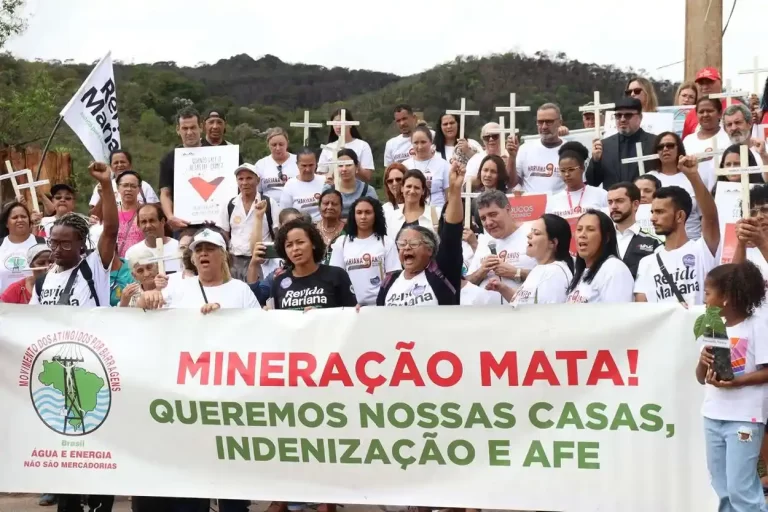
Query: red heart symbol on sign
(205, 188)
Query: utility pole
(703, 39)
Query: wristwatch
(518, 275)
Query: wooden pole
(703, 36)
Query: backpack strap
(365, 190)
(230, 209)
(433, 268)
(268, 215)
(39, 287)
(86, 271)
(391, 276)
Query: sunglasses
(494, 136)
(390, 181)
(630, 92)
(666, 145)
(625, 115)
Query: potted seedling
(711, 328)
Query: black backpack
(267, 214)
(66, 294)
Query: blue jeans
(733, 448)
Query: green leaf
(710, 323)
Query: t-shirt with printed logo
(539, 168)
(688, 266)
(411, 292)
(55, 282)
(13, 260)
(568, 204)
(273, 176)
(510, 250)
(367, 261)
(327, 287)
(436, 171)
(612, 284)
(303, 195)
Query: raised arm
(512, 147)
(110, 221)
(454, 213)
(710, 224)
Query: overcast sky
(398, 36)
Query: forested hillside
(258, 94)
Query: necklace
(329, 234)
(578, 206)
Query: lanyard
(570, 203)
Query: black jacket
(609, 170)
(443, 273)
(640, 246)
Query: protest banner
(653, 122)
(528, 206)
(320, 407)
(728, 202)
(679, 113)
(92, 112)
(204, 181)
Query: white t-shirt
(694, 145)
(473, 295)
(613, 283)
(366, 261)
(450, 149)
(539, 168)
(510, 250)
(240, 225)
(411, 292)
(755, 256)
(749, 349)
(687, 265)
(186, 293)
(170, 246)
(693, 224)
(14, 258)
(303, 195)
(546, 284)
(473, 165)
(397, 149)
(361, 148)
(270, 182)
(580, 201)
(81, 294)
(437, 171)
(146, 189)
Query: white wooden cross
(706, 155)
(640, 159)
(32, 185)
(596, 110)
(306, 125)
(343, 133)
(335, 164)
(729, 94)
(755, 72)
(744, 170)
(468, 196)
(462, 113)
(501, 131)
(12, 176)
(161, 258)
(512, 108)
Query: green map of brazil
(88, 386)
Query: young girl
(735, 411)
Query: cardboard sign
(653, 122)
(730, 241)
(204, 181)
(528, 207)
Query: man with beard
(151, 220)
(737, 122)
(536, 165)
(605, 167)
(634, 244)
(676, 272)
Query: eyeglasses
(762, 210)
(546, 122)
(636, 91)
(413, 244)
(65, 246)
(569, 170)
(390, 181)
(625, 115)
(494, 136)
(666, 145)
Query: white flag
(92, 112)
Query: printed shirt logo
(546, 171)
(300, 299)
(575, 296)
(205, 188)
(416, 295)
(237, 219)
(685, 279)
(739, 355)
(366, 261)
(645, 247)
(308, 202)
(689, 260)
(286, 283)
(15, 263)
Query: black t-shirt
(168, 163)
(328, 287)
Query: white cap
(246, 167)
(208, 236)
(35, 251)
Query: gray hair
(551, 106)
(735, 109)
(428, 237)
(492, 197)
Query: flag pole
(47, 145)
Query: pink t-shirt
(128, 233)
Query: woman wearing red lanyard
(577, 196)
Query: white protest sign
(204, 181)
(653, 122)
(92, 112)
(728, 198)
(414, 416)
(679, 113)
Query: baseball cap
(246, 167)
(590, 104)
(707, 74)
(629, 104)
(208, 236)
(61, 186)
(35, 251)
(214, 112)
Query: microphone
(492, 247)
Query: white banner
(653, 122)
(92, 112)
(204, 181)
(444, 407)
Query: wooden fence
(57, 168)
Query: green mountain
(258, 94)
